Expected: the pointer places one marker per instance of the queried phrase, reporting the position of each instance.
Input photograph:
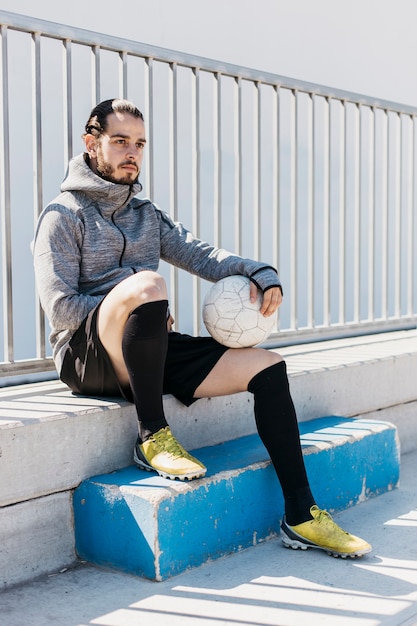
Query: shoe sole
(148, 468)
(295, 544)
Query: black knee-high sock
(278, 429)
(144, 345)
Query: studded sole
(299, 545)
(148, 468)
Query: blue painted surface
(115, 531)
(156, 528)
(366, 466)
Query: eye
(140, 145)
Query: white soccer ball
(231, 318)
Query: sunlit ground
(263, 586)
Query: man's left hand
(272, 299)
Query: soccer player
(96, 253)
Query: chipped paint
(364, 492)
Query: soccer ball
(231, 318)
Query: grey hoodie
(96, 233)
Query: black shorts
(87, 369)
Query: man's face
(117, 154)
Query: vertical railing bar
(151, 133)
(217, 165)
(294, 210)
(409, 218)
(371, 214)
(37, 170)
(276, 168)
(327, 183)
(238, 167)
(384, 224)
(175, 141)
(342, 212)
(276, 151)
(311, 211)
(412, 252)
(5, 200)
(257, 173)
(398, 210)
(37, 123)
(145, 172)
(196, 186)
(95, 69)
(414, 264)
(173, 180)
(123, 74)
(67, 96)
(357, 249)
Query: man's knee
(143, 287)
(146, 287)
(265, 358)
(262, 359)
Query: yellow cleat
(162, 453)
(323, 533)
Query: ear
(91, 145)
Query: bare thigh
(234, 370)
(116, 307)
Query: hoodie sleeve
(57, 258)
(181, 248)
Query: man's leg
(263, 373)
(132, 327)
(144, 347)
(133, 330)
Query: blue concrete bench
(156, 528)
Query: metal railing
(318, 182)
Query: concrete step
(156, 528)
(51, 440)
(36, 538)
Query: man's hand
(271, 301)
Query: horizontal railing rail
(316, 181)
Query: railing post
(6, 235)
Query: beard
(106, 171)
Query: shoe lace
(322, 515)
(166, 440)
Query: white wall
(364, 46)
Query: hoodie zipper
(120, 231)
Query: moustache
(130, 163)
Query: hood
(80, 178)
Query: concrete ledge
(52, 440)
(404, 416)
(37, 537)
(88, 436)
(156, 528)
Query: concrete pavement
(262, 586)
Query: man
(96, 253)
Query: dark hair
(97, 122)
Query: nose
(132, 151)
